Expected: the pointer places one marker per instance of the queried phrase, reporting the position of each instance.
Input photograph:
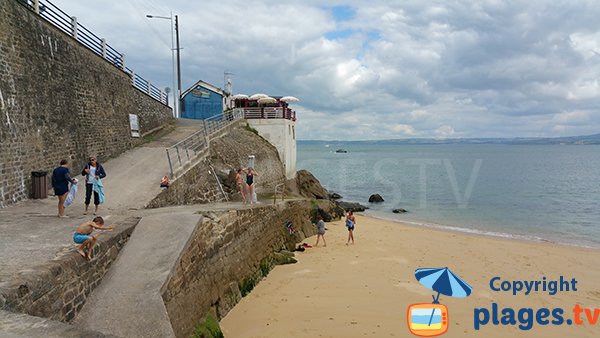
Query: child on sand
(350, 223)
(320, 231)
(83, 236)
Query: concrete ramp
(128, 303)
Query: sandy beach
(364, 290)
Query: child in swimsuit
(350, 223)
(84, 236)
(240, 183)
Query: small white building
(277, 124)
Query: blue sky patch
(343, 13)
(340, 34)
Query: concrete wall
(59, 100)
(224, 251)
(59, 288)
(282, 134)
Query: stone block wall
(228, 151)
(59, 288)
(224, 251)
(59, 100)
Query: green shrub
(208, 329)
(265, 267)
(247, 285)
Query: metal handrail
(69, 25)
(186, 150)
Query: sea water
(543, 192)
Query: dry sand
(364, 290)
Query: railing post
(74, 27)
(36, 6)
(103, 48)
(123, 61)
(148, 87)
(162, 96)
(170, 165)
(262, 113)
(133, 78)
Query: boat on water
(343, 151)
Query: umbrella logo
(431, 319)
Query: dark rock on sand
(354, 207)
(309, 186)
(330, 213)
(335, 196)
(399, 211)
(375, 198)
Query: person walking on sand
(60, 183)
(250, 173)
(83, 235)
(320, 231)
(92, 171)
(240, 184)
(350, 223)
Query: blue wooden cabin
(201, 101)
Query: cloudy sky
(380, 69)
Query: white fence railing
(70, 26)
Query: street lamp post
(176, 93)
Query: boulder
(315, 213)
(375, 198)
(350, 206)
(284, 257)
(309, 186)
(399, 211)
(335, 196)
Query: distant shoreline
(568, 140)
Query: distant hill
(569, 140)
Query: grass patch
(208, 329)
(247, 285)
(250, 129)
(265, 268)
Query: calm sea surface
(547, 192)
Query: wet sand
(364, 290)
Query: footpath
(31, 234)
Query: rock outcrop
(375, 198)
(335, 196)
(309, 186)
(350, 206)
(399, 211)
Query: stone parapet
(59, 288)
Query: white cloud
(402, 69)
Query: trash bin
(39, 184)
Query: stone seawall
(59, 288)
(59, 100)
(226, 255)
(227, 152)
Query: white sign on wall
(134, 125)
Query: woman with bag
(93, 171)
(60, 183)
